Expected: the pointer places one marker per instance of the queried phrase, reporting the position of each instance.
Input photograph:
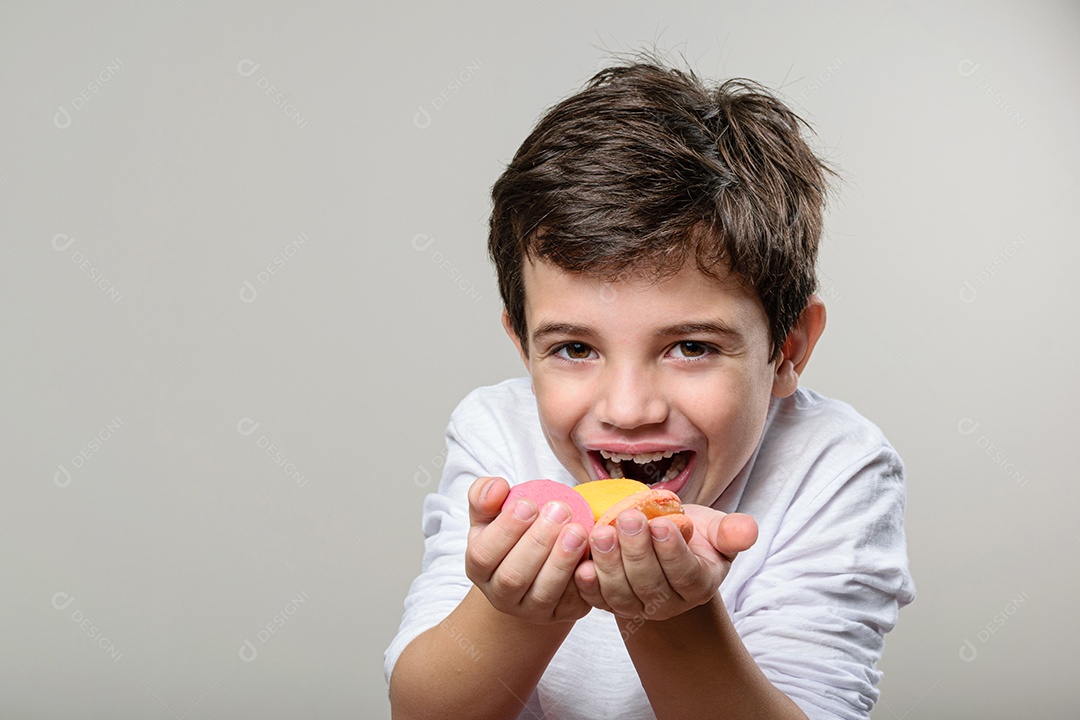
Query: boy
(655, 241)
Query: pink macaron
(542, 492)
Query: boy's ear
(798, 347)
(513, 337)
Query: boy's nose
(629, 399)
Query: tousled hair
(649, 166)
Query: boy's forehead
(558, 297)
(541, 276)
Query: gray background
(186, 255)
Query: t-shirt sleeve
(442, 583)
(815, 615)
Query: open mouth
(649, 468)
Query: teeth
(640, 458)
(614, 469)
(676, 467)
(613, 462)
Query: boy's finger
(571, 606)
(558, 570)
(588, 585)
(680, 565)
(518, 570)
(607, 559)
(486, 497)
(732, 534)
(642, 568)
(489, 545)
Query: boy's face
(645, 369)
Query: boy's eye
(691, 349)
(574, 351)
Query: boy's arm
(815, 613)
(695, 665)
(486, 657)
(664, 594)
(471, 665)
(812, 617)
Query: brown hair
(649, 166)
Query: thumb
(733, 533)
(486, 498)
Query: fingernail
(556, 512)
(486, 489)
(524, 510)
(629, 524)
(660, 532)
(604, 543)
(571, 541)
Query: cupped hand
(523, 559)
(644, 569)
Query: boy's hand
(644, 569)
(523, 560)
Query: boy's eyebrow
(707, 327)
(557, 328)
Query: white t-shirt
(812, 600)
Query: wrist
(502, 621)
(678, 660)
(709, 619)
